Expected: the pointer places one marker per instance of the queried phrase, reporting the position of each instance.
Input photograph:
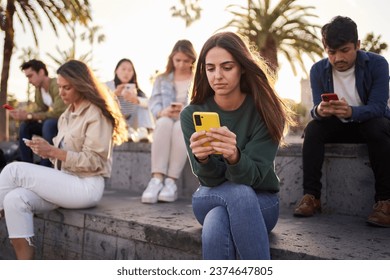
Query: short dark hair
(35, 65)
(339, 31)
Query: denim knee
(49, 129)
(217, 242)
(227, 195)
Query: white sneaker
(143, 134)
(150, 194)
(169, 191)
(132, 135)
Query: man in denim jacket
(360, 115)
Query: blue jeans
(236, 221)
(47, 129)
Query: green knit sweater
(255, 167)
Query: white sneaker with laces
(169, 191)
(150, 194)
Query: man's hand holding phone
(16, 114)
(331, 105)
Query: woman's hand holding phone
(172, 111)
(199, 144)
(129, 93)
(39, 146)
(226, 144)
(211, 138)
(215, 141)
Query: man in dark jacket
(360, 115)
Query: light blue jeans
(236, 221)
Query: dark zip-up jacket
(372, 83)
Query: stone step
(122, 228)
(348, 181)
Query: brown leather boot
(381, 214)
(307, 206)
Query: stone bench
(121, 227)
(348, 181)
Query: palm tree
(284, 29)
(93, 35)
(189, 10)
(29, 14)
(372, 43)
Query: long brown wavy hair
(82, 78)
(256, 80)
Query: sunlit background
(145, 32)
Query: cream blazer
(86, 135)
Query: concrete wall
(348, 182)
(121, 227)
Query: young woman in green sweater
(237, 201)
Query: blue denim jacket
(163, 94)
(372, 83)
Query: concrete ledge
(348, 181)
(131, 171)
(347, 178)
(122, 228)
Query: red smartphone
(329, 96)
(8, 107)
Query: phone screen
(329, 96)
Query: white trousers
(26, 189)
(169, 153)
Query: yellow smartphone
(205, 121)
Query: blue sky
(144, 31)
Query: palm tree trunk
(7, 53)
(270, 53)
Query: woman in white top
(169, 96)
